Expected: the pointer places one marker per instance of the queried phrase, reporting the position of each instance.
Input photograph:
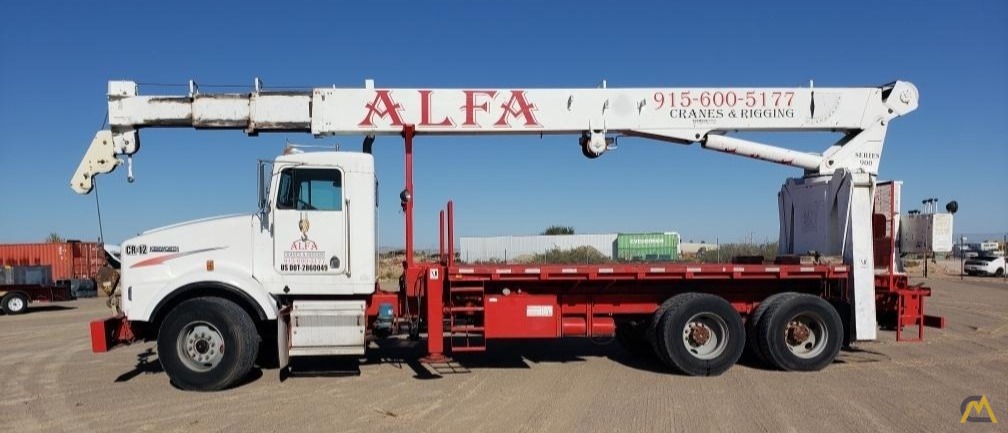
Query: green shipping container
(647, 246)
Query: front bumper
(109, 332)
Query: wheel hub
(699, 334)
(806, 335)
(201, 346)
(797, 333)
(705, 335)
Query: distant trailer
(14, 299)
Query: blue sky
(57, 59)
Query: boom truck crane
(301, 271)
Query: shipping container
(72, 259)
(647, 246)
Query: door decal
(304, 254)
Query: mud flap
(283, 337)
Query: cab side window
(310, 189)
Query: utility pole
(962, 257)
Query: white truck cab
(313, 235)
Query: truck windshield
(310, 189)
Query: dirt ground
(51, 382)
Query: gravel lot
(51, 382)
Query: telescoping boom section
(597, 115)
(307, 279)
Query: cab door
(310, 227)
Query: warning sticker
(539, 311)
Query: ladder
(465, 316)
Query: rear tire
(800, 333)
(701, 334)
(15, 303)
(653, 330)
(207, 344)
(752, 343)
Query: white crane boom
(681, 115)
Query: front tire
(207, 344)
(15, 303)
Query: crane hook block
(101, 157)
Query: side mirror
(264, 179)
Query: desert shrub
(578, 255)
(725, 252)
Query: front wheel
(999, 272)
(15, 303)
(207, 344)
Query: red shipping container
(71, 259)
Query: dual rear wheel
(703, 335)
(797, 332)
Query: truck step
(469, 349)
(470, 289)
(465, 309)
(467, 329)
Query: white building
(693, 248)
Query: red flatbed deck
(644, 272)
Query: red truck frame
(477, 303)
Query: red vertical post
(451, 233)
(408, 132)
(435, 313)
(441, 235)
